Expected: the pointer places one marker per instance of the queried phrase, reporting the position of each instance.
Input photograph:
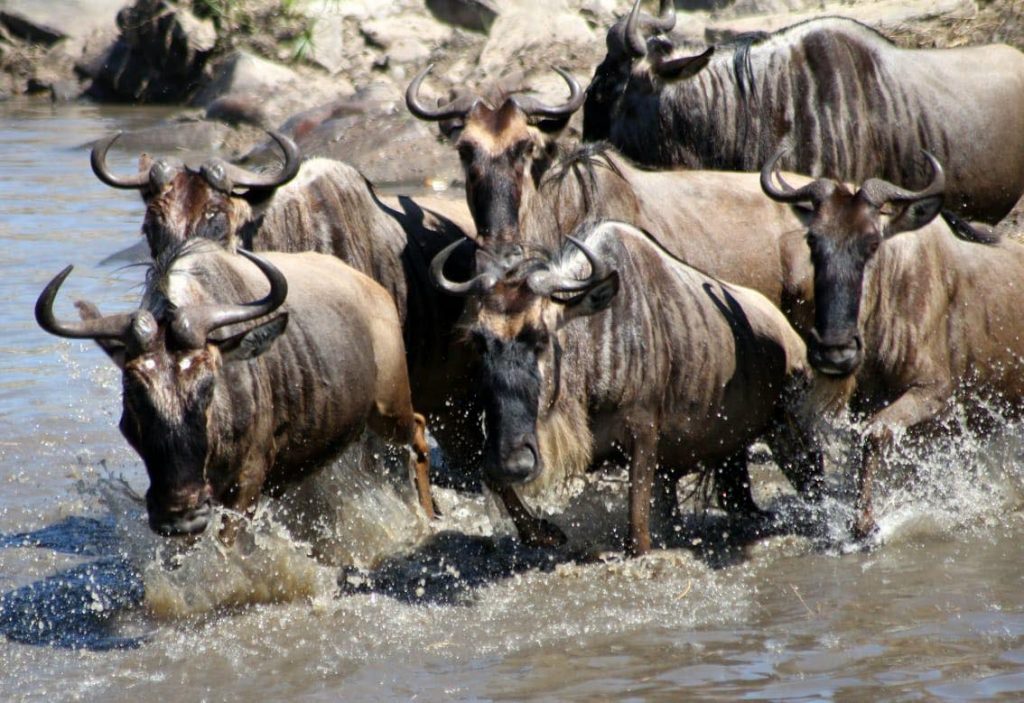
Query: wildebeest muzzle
(185, 511)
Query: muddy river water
(341, 593)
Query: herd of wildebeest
(659, 295)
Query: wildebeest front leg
(642, 466)
(798, 453)
(421, 451)
(918, 405)
(533, 531)
(732, 486)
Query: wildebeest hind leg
(798, 454)
(405, 427)
(421, 455)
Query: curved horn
(815, 191)
(535, 108)
(192, 325)
(599, 270)
(98, 161)
(665, 20)
(879, 192)
(457, 108)
(547, 283)
(242, 178)
(635, 43)
(636, 25)
(108, 327)
(481, 283)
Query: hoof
(543, 534)
(866, 535)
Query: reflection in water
(338, 591)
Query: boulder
(329, 49)
(58, 19)
(393, 150)
(406, 39)
(32, 32)
(476, 15)
(539, 34)
(241, 73)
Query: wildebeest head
(638, 57)
(501, 145)
(515, 312)
(844, 235)
(209, 201)
(171, 367)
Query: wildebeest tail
(969, 232)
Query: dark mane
(742, 69)
(582, 163)
(741, 45)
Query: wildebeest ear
(682, 67)
(114, 349)
(251, 343)
(553, 126)
(450, 129)
(913, 215)
(593, 300)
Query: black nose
(835, 359)
(519, 465)
(178, 523)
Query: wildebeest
(317, 205)
(643, 354)
(224, 400)
(505, 144)
(328, 206)
(532, 189)
(913, 320)
(854, 105)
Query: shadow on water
(81, 607)
(85, 536)
(450, 566)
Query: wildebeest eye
(520, 150)
(466, 152)
(871, 246)
(214, 225)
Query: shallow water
(93, 606)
